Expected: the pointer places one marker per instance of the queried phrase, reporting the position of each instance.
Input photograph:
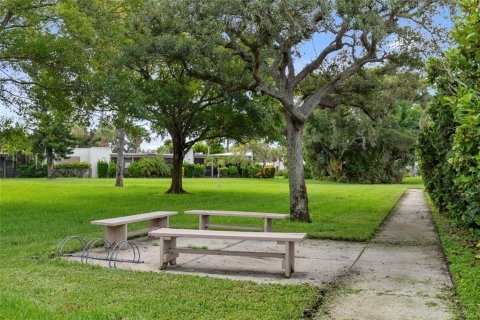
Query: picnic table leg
(267, 226)
(163, 264)
(166, 255)
(115, 234)
(289, 258)
(158, 223)
(292, 257)
(174, 256)
(204, 220)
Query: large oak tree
(266, 43)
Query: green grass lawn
(36, 214)
(460, 247)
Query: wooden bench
(204, 221)
(169, 251)
(116, 228)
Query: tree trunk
(177, 165)
(50, 173)
(120, 157)
(296, 174)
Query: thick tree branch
(314, 100)
(336, 45)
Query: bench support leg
(204, 220)
(166, 256)
(267, 226)
(289, 262)
(115, 234)
(158, 223)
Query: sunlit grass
(35, 214)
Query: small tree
(191, 110)
(51, 136)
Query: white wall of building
(92, 156)
(189, 157)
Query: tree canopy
(370, 136)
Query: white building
(91, 155)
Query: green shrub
(193, 170)
(102, 169)
(232, 171)
(154, 167)
(223, 171)
(449, 143)
(308, 172)
(32, 171)
(74, 169)
(112, 169)
(149, 167)
(252, 171)
(133, 170)
(282, 173)
(268, 172)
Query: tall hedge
(102, 169)
(449, 144)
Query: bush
(282, 173)
(268, 172)
(308, 172)
(32, 171)
(74, 169)
(223, 171)
(193, 170)
(449, 143)
(149, 167)
(154, 167)
(102, 169)
(134, 171)
(252, 171)
(112, 169)
(232, 171)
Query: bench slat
(239, 214)
(224, 226)
(266, 236)
(133, 218)
(229, 253)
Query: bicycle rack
(112, 263)
(112, 250)
(61, 246)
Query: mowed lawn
(35, 214)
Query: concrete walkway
(401, 273)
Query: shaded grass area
(36, 214)
(460, 247)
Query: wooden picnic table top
(133, 218)
(211, 234)
(238, 214)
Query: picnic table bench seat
(169, 251)
(204, 218)
(116, 229)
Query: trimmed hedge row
(75, 169)
(32, 171)
(193, 170)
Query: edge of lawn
(459, 247)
